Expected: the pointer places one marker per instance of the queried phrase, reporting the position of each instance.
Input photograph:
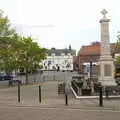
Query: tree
(30, 55)
(117, 59)
(6, 41)
(17, 51)
(5, 27)
(6, 54)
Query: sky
(60, 23)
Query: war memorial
(90, 87)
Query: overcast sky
(60, 23)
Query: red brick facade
(90, 53)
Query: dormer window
(53, 54)
(69, 54)
(62, 54)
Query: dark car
(5, 76)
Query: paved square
(53, 106)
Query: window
(62, 54)
(69, 54)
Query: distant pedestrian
(58, 68)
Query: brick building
(90, 54)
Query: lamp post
(54, 67)
(90, 70)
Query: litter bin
(61, 88)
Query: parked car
(5, 76)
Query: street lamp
(90, 70)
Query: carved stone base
(107, 81)
(107, 71)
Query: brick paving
(52, 106)
(50, 97)
(24, 113)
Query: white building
(62, 58)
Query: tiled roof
(93, 49)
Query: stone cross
(104, 12)
(106, 61)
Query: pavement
(50, 98)
(27, 113)
(52, 106)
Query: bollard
(43, 78)
(59, 88)
(53, 77)
(106, 93)
(66, 99)
(39, 94)
(100, 97)
(18, 91)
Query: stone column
(106, 61)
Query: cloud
(58, 23)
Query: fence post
(66, 99)
(39, 94)
(100, 96)
(18, 91)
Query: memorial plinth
(106, 61)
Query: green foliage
(16, 51)
(5, 27)
(6, 36)
(117, 60)
(5, 53)
(30, 54)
